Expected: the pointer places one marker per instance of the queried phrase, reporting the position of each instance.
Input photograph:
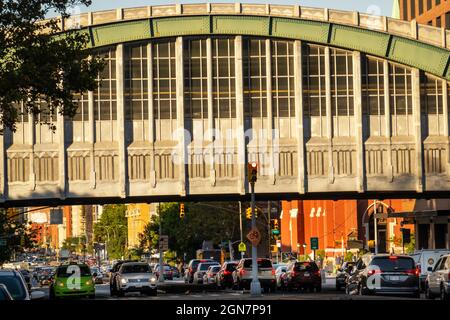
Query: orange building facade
(432, 12)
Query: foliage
(201, 222)
(113, 225)
(320, 254)
(17, 235)
(348, 256)
(411, 246)
(74, 244)
(39, 67)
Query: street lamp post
(255, 285)
(161, 267)
(240, 226)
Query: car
(279, 272)
(242, 276)
(4, 293)
(386, 274)
(136, 277)
(72, 280)
(425, 259)
(192, 268)
(16, 286)
(167, 273)
(302, 275)
(175, 272)
(210, 275)
(224, 278)
(343, 273)
(45, 276)
(113, 273)
(438, 280)
(201, 271)
(97, 275)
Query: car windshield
(136, 268)
(3, 295)
(305, 266)
(205, 266)
(67, 271)
(263, 263)
(231, 266)
(388, 264)
(214, 269)
(14, 286)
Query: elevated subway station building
(330, 103)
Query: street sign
(242, 247)
(2, 243)
(254, 236)
(314, 243)
(56, 216)
(163, 243)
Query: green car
(72, 280)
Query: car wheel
(338, 287)
(120, 293)
(428, 293)
(319, 289)
(444, 295)
(311, 289)
(347, 290)
(92, 296)
(52, 295)
(360, 290)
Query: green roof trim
(168, 27)
(359, 39)
(258, 26)
(300, 29)
(423, 56)
(121, 32)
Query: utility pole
(240, 226)
(255, 285)
(161, 266)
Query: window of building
(164, 80)
(81, 100)
(431, 95)
(420, 7)
(413, 9)
(405, 10)
(400, 90)
(438, 22)
(196, 78)
(255, 79)
(372, 86)
(283, 92)
(341, 82)
(429, 4)
(136, 82)
(224, 86)
(105, 96)
(447, 20)
(314, 90)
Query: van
(426, 259)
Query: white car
(210, 275)
(438, 281)
(201, 270)
(427, 259)
(281, 269)
(135, 277)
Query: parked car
(224, 278)
(201, 271)
(192, 268)
(167, 272)
(16, 286)
(27, 277)
(343, 273)
(4, 293)
(437, 283)
(63, 286)
(136, 277)
(242, 276)
(384, 274)
(175, 272)
(302, 275)
(210, 275)
(425, 259)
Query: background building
(138, 216)
(432, 12)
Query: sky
(376, 7)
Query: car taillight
(317, 273)
(273, 271)
(227, 273)
(190, 270)
(372, 272)
(413, 272)
(242, 272)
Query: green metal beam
(121, 32)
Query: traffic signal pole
(161, 265)
(255, 286)
(240, 226)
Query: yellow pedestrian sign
(242, 247)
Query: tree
(112, 229)
(39, 67)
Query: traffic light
(274, 248)
(181, 210)
(248, 213)
(252, 171)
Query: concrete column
(359, 130)
(240, 135)
(329, 114)
(121, 121)
(3, 175)
(270, 132)
(182, 143)
(417, 129)
(210, 136)
(62, 155)
(92, 138)
(301, 159)
(446, 128)
(387, 119)
(151, 118)
(32, 140)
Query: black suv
(384, 274)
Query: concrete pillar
(329, 114)
(182, 143)
(446, 128)
(3, 176)
(359, 130)
(121, 121)
(32, 141)
(240, 137)
(387, 119)
(210, 137)
(270, 132)
(151, 118)
(62, 156)
(417, 129)
(92, 138)
(301, 158)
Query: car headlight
(89, 282)
(123, 280)
(152, 279)
(60, 283)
